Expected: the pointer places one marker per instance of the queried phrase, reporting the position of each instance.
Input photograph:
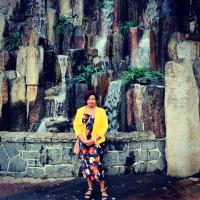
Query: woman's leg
(103, 190)
(88, 194)
(90, 185)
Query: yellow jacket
(100, 124)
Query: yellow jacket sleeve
(78, 125)
(104, 124)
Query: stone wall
(45, 155)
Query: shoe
(88, 194)
(104, 195)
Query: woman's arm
(79, 126)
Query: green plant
(60, 23)
(86, 73)
(13, 41)
(125, 28)
(141, 74)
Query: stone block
(24, 146)
(151, 166)
(54, 146)
(59, 171)
(17, 164)
(148, 145)
(11, 149)
(30, 155)
(37, 147)
(134, 145)
(161, 146)
(131, 158)
(115, 170)
(54, 156)
(117, 146)
(153, 155)
(33, 163)
(67, 155)
(3, 160)
(35, 172)
(124, 158)
(111, 158)
(144, 155)
(140, 167)
(162, 164)
(67, 145)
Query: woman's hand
(90, 142)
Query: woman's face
(91, 102)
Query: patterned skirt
(92, 161)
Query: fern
(60, 23)
(13, 41)
(141, 74)
(125, 28)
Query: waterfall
(107, 19)
(112, 104)
(143, 54)
(55, 109)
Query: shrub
(86, 73)
(142, 75)
(60, 23)
(13, 41)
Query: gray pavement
(123, 187)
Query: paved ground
(126, 187)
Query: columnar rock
(134, 37)
(30, 63)
(117, 54)
(145, 109)
(77, 10)
(91, 28)
(3, 100)
(35, 104)
(168, 26)
(142, 47)
(100, 85)
(182, 119)
(188, 49)
(50, 23)
(63, 69)
(65, 7)
(17, 93)
(115, 25)
(2, 28)
(68, 38)
(76, 57)
(4, 59)
(172, 45)
(78, 38)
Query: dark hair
(89, 93)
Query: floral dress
(91, 156)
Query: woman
(90, 126)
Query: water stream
(55, 109)
(107, 19)
(112, 105)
